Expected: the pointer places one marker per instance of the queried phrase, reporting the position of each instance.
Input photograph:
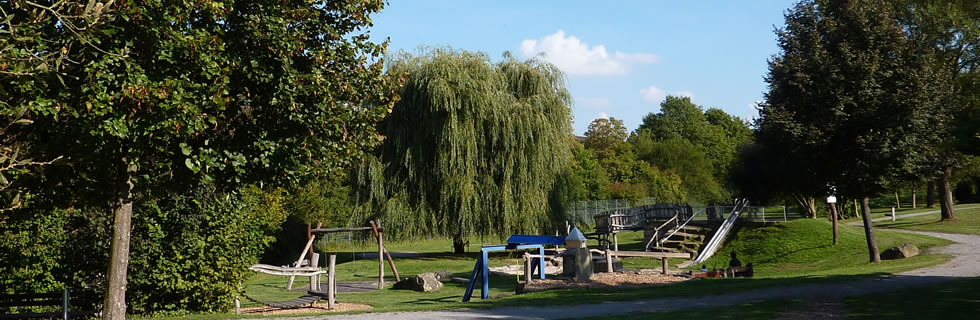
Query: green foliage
(691, 164)
(702, 144)
(472, 147)
(324, 199)
(191, 252)
(169, 95)
(586, 176)
(605, 134)
(851, 99)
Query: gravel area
(605, 281)
(317, 307)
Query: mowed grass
(967, 221)
(762, 310)
(958, 299)
(804, 247)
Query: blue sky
(620, 57)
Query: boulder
(444, 276)
(900, 252)
(425, 282)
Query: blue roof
(534, 239)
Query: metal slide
(722, 232)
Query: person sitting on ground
(734, 262)
(704, 268)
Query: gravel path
(966, 263)
(907, 215)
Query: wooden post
(615, 241)
(784, 214)
(391, 263)
(527, 268)
(664, 259)
(238, 306)
(833, 216)
(332, 281)
(309, 245)
(315, 279)
(381, 260)
(609, 262)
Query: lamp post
(832, 200)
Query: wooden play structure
(307, 265)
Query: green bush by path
(804, 248)
(967, 221)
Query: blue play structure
(515, 242)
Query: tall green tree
(156, 97)
(473, 148)
(949, 30)
(852, 95)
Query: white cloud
(576, 57)
(593, 103)
(653, 94)
(685, 93)
(603, 115)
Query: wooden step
(696, 229)
(688, 235)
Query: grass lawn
(967, 221)
(953, 300)
(958, 299)
(762, 310)
(789, 253)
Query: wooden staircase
(688, 239)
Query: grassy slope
(804, 248)
(967, 221)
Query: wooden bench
(8, 301)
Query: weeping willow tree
(472, 148)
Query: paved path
(907, 215)
(966, 252)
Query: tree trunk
(458, 245)
(930, 194)
(806, 203)
(812, 207)
(115, 297)
(945, 195)
(869, 232)
(898, 203)
(913, 196)
(833, 217)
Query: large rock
(900, 252)
(444, 276)
(425, 282)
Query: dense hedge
(190, 252)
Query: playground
(789, 253)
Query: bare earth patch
(606, 281)
(316, 308)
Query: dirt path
(966, 252)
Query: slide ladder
(722, 232)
